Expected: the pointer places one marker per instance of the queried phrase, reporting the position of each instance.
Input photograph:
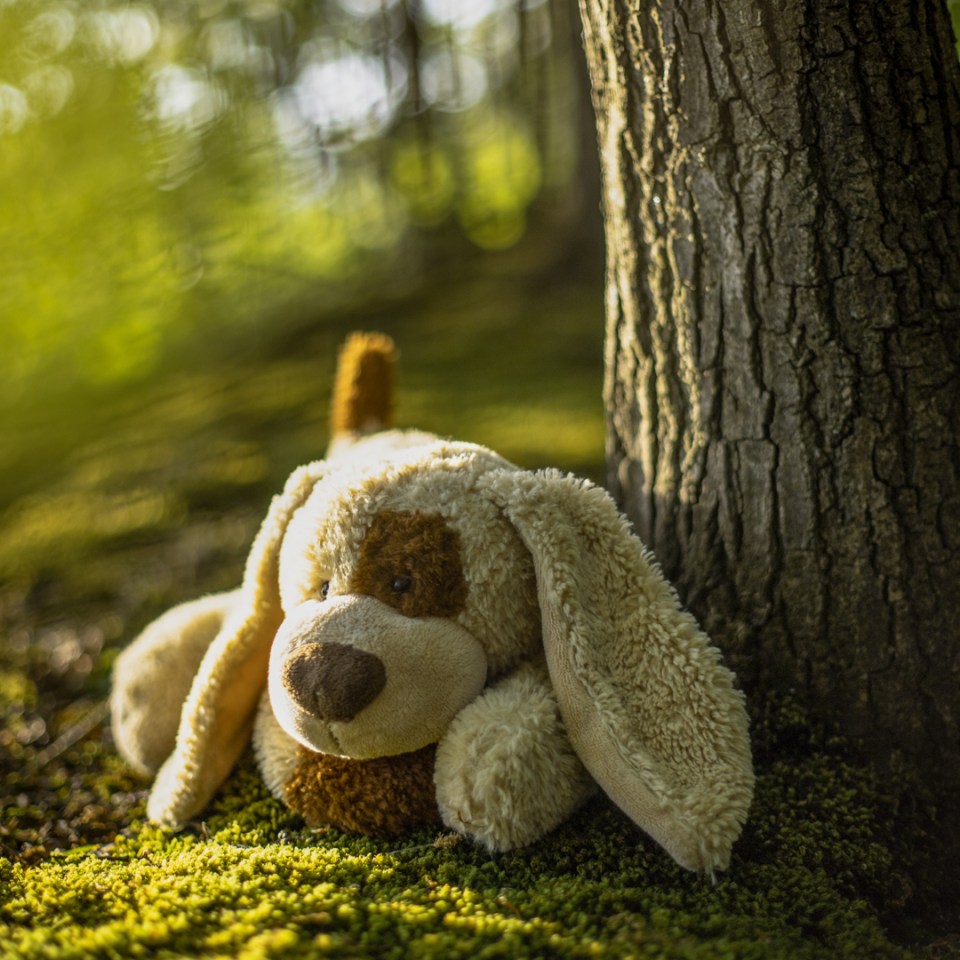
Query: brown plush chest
(382, 797)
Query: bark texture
(782, 207)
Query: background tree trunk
(782, 207)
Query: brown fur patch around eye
(382, 797)
(411, 561)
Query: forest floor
(112, 515)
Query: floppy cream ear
(218, 713)
(649, 709)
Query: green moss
(808, 879)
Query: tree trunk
(782, 208)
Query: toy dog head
(410, 592)
(387, 579)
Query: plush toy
(426, 634)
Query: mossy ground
(810, 877)
(158, 503)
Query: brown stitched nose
(332, 681)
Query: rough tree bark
(782, 207)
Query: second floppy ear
(218, 713)
(648, 707)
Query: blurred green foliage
(179, 173)
(189, 188)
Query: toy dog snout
(353, 677)
(333, 681)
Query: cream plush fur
(569, 664)
(506, 771)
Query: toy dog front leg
(152, 677)
(505, 770)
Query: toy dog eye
(400, 584)
(324, 589)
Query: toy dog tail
(363, 388)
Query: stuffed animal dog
(426, 633)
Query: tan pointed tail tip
(363, 387)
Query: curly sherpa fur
(409, 594)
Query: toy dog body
(427, 633)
